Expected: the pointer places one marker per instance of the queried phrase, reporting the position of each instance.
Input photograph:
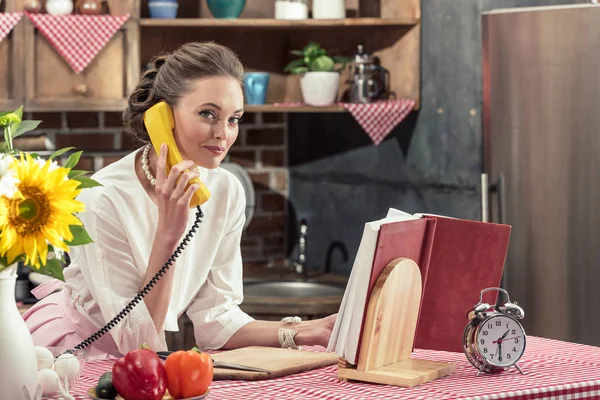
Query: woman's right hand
(172, 197)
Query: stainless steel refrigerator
(541, 117)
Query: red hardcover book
(457, 259)
(466, 257)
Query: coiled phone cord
(113, 322)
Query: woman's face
(207, 118)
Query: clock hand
(502, 338)
(500, 350)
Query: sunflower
(41, 213)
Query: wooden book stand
(389, 332)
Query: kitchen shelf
(270, 108)
(262, 23)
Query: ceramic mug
(255, 87)
(329, 9)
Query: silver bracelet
(286, 335)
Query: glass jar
(291, 9)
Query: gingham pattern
(553, 370)
(377, 119)
(78, 38)
(8, 22)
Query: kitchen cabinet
(51, 84)
(11, 61)
(42, 80)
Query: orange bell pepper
(189, 373)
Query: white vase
(59, 7)
(18, 369)
(320, 88)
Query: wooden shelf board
(270, 108)
(276, 23)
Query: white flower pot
(18, 369)
(320, 88)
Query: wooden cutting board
(280, 362)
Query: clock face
(501, 340)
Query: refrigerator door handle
(485, 190)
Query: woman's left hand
(317, 332)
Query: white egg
(48, 379)
(45, 359)
(67, 366)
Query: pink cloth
(55, 322)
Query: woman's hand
(172, 197)
(315, 332)
(324, 330)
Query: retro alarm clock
(494, 339)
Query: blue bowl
(226, 8)
(163, 9)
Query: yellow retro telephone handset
(159, 123)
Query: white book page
(349, 299)
(349, 333)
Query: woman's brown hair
(168, 78)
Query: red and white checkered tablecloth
(8, 22)
(78, 38)
(377, 119)
(553, 370)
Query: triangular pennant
(378, 119)
(8, 22)
(78, 38)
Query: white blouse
(105, 275)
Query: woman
(140, 215)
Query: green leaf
(323, 63)
(86, 182)
(34, 155)
(76, 173)
(60, 152)
(52, 268)
(297, 53)
(299, 70)
(25, 126)
(19, 112)
(73, 160)
(80, 236)
(294, 64)
(341, 59)
(4, 113)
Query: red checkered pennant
(8, 22)
(78, 38)
(379, 118)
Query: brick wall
(260, 148)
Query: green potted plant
(320, 74)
